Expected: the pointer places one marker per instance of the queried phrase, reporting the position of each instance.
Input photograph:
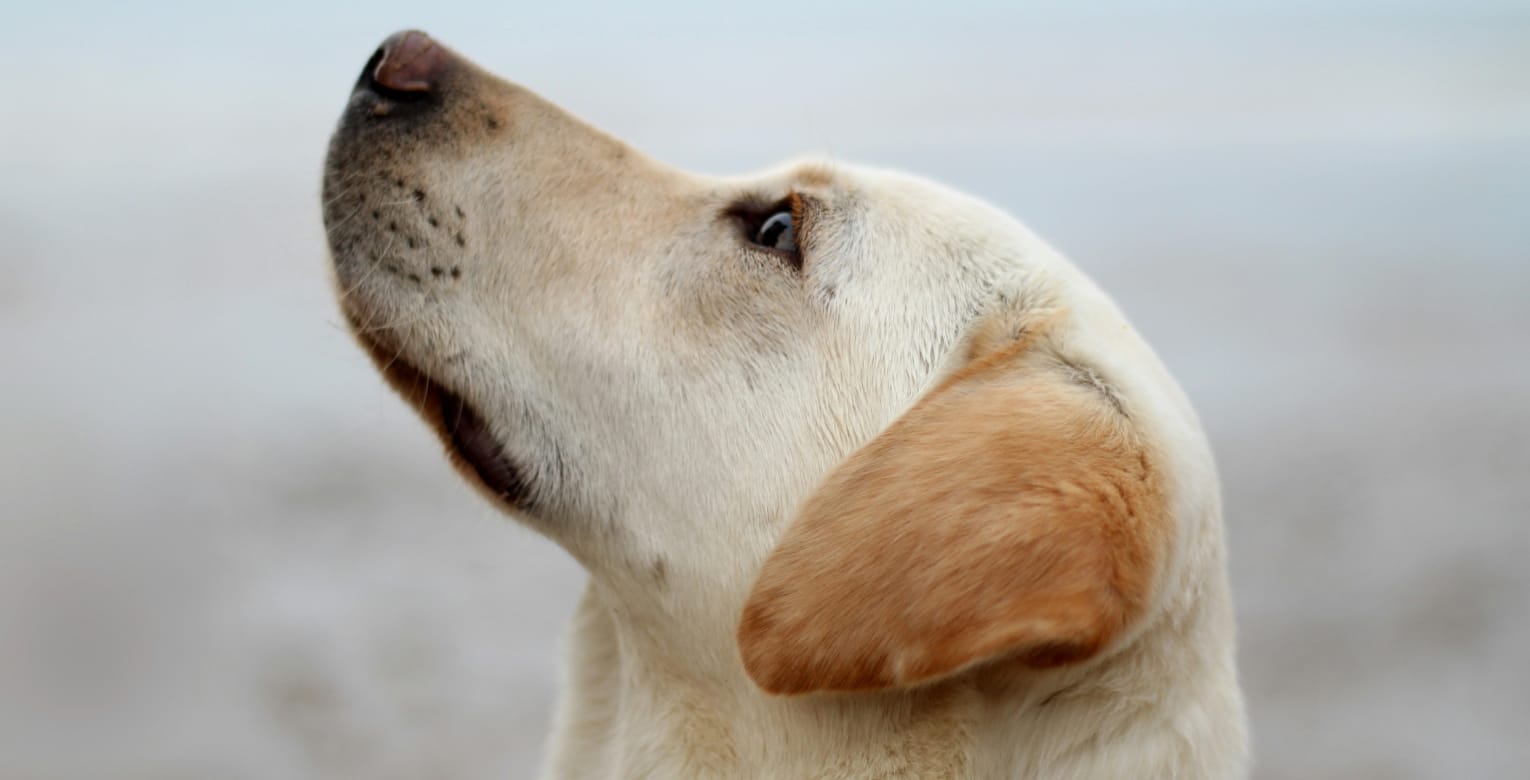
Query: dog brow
(814, 174)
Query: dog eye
(777, 232)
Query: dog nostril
(408, 62)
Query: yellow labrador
(869, 480)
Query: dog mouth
(471, 445)
(479, 449)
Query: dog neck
(648, 692)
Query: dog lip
(480, 449)
(470, 442)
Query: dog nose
(408, 63)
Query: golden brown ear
(1013, 513)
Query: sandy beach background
(227, 552)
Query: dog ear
(1013, 513)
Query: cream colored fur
(673, 396)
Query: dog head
(882, 422)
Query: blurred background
(226, 551)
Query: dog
(868, 479)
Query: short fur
(1013, 513)
(924, 506)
